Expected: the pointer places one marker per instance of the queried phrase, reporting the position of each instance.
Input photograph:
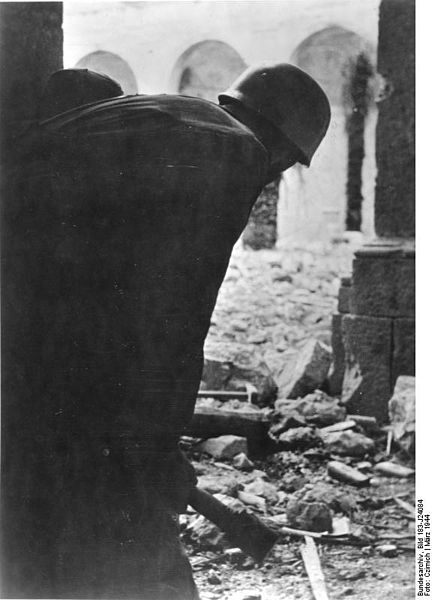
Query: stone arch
(112, 65)
(336, 195)
(206, 69)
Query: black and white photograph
(208, 307)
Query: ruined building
(200, 49)
(374, 332)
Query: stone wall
(395, 209)
(378, 329)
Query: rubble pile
(269, 439)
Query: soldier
(126, 211)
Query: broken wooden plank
(389, 442)
(313, 568)
(326, 538)
(249, 395)
(369, 424)
(212, 422)
(341, 426)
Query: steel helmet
(70, 88)
(287, 97)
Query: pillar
(378, 330)
(31, 48)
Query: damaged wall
(378, 329)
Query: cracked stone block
(337, 367)
(308, 373)
(221, 374)
(348, 443)
(403, 348)
(402, 413)
(224, 446)
(367, 379)
(383, 285)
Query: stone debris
(213, 578)
(348, 443)
(307, 373)
(391, 469)
(292, 483)
(389, 550)
(299, 438)
(235, 555)
(224, 446)
(242, 462)
(310, 516)
(313, 507)
(227, 372)
(262, 488)
(257, 473)
(402, 413)
(316, 408)
(223, 484)
(345, 473)
(339, 501)
(297, 484)
(245, 595)
(252, 500)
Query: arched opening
(112, 65)
(206, 69)
(337, 194)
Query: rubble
(299, 438)
(343, 472)
(303, 489)
(224, 446)
(212, 418)
(252, 500)
(307, 373)
(213, 578)
(220, 373)
(259, 487)
(402, 412)
(316, 408)
(391, 469)
(348, 443)
(368, 424)
(245, 595)
(387, 550)
(310, 516)
(242, 462)
(224, 484)
(292, 483)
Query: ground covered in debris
(319, 469)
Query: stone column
(378, 332)
(31, 40)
